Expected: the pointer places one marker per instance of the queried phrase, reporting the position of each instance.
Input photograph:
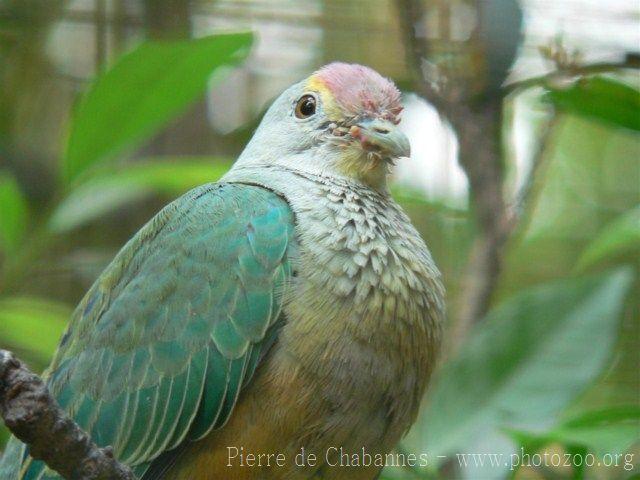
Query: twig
(523, 197)
(36, 419)
(631, 61)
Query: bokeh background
(524, 179)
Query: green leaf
(602, 99)
(144, 90)
(606, 431)
(113, 189)
(523, 366)
(14, 213)
(32, 326)
(619, 237)
(610, 430)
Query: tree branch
(36, 419)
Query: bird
(289, 315)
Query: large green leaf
(113, 189)
(144, 90)
(32, 326)
(521, 367)
(602, 99)
(14, 213)
(607, 431)
(619, 237)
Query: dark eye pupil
(306, 106)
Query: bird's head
(342, 120)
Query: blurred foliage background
(524, 180)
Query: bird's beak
(382, 137)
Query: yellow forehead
(317, 85)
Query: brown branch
(36, 419)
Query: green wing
(160, 347)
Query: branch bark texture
(36, 419)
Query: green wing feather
(160, 347)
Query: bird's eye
(306, 106)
